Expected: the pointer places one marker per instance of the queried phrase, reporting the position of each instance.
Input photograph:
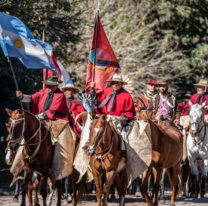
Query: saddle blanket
(137, 144)
(63, 156)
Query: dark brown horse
(38, 149)
(167, 152)
(10, 155)
(105, 157)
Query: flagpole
(95, 45)
(15, 81)
(44, 70)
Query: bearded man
(115, 100)
(163, 106)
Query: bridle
(101, 155)
(199, 130)
(26, 144)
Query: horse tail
(81, 187)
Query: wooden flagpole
(95, 45)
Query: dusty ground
(7, 200)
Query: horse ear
(203, 104)
(190, 103)
(9, 112)
(7, 126)
(104, 116)
(20, 110)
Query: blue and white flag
(18, 41)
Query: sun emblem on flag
(18, 43)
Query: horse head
(196, 117)
(15, 130)
(98, 131)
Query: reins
(27, 144)
(101, 155)
(198, 132)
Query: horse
(197, 145)
(38, 149)
(32, 185)
(105, 157)
(167, 151)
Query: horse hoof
(193, 196)
(65, 202)
(15, 199)
(137, 194)
(172, 204)
(69, 198)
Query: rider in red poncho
(48, 103)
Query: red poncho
(184, 108)
(76, 109)
(194, 99)
(123, 104)
(58, 108)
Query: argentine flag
(18, 41)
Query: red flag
(106, 63)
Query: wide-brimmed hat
(52, 80)
(202, 82)
(117, 78)
(151, 81)
(162, 82)
(70, 86)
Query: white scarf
(165, 100)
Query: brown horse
(167, 152)
(105, 157)
(10, 155)
(38, 149)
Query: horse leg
(98, 182)
(66, 186)
(17, 190)
(144, 186)
(25, 181)
(157, 172)
(29, 193)
(173, 176)
(203, 178)
(44, 188)
(74, 187)
(124, 185)
(162, 185)
(35, 189)
(109, 181)
(59, 191)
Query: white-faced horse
(197, 145)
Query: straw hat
(52, 80)
(70, 86)
(117, 78)
(202, 82)
(162, 82)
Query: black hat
(52, 80)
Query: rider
(48, 103)
(184, 121)
(145, 97)
(164, 105)
(115, 100)
(201, 96)
(74, 106)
